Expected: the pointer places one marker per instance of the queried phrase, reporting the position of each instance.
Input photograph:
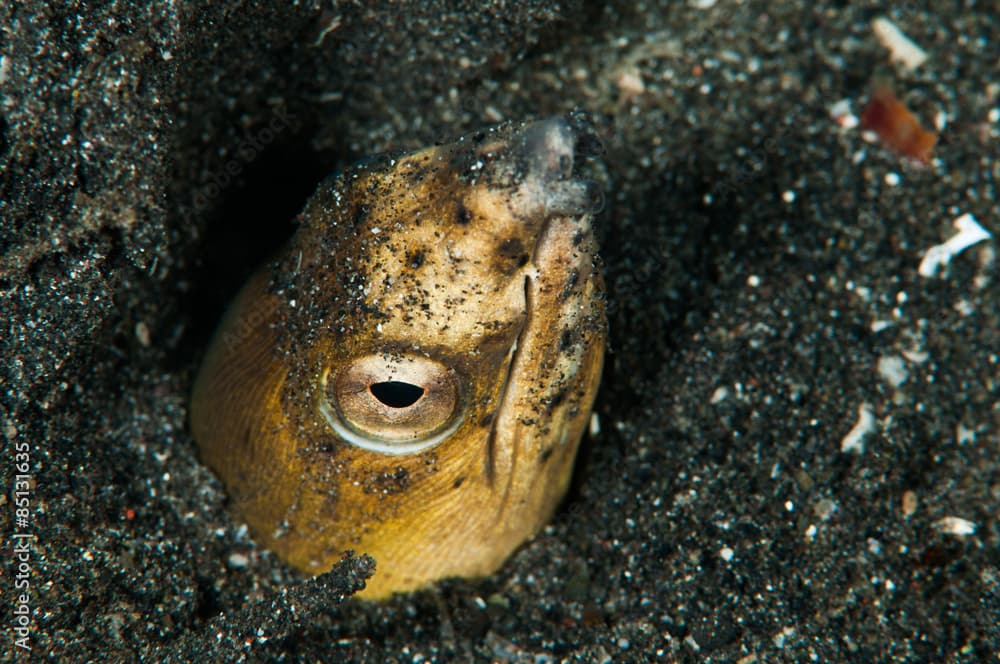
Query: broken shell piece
(955, 525)
(901, 48)
(854, 441)
(969, 233)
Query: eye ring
(391, 404)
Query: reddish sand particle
(897, 127)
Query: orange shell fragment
(897, 127)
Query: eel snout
(548, 150)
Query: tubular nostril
(594, 195)
(589, 143)
(547, 147)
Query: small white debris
(955, 525)
(788, 196)
(916, 356)
(940, 121)
(630, 83)
(782, 636)
(720, 394)
(702, 4)
(378, 328)
(595, 425)
(493, 114)
(376, 230)
(334, 23)
(879, 325)
(238, 561)
(142, 334)
(901, 48)
(811, 531)
(969, 233)
(864, 292)
(726, 553)
(987, 256)
(691, 643)
(892, 369)
(824, 509)
(909, 503)
(964, 435)
(854, 440)
(753, 281)
(892, 179)
(842, 115)
(964, 307)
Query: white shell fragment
(842, 114)
(955, 525)
(892, 369)
(595, 425)
(969, 233)
(901, 48)
(854, 441)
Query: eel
(411, 377)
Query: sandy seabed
(797, 456)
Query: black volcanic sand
(761, 263)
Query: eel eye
(391, 404)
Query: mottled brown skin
(470, 264)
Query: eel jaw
(552, 371)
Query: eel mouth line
(514, 369)
(513, 356)
(514, 372)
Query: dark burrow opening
(250, 222)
